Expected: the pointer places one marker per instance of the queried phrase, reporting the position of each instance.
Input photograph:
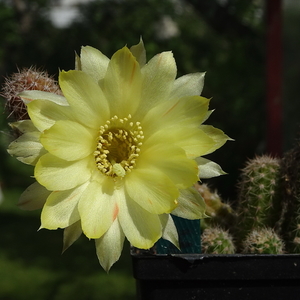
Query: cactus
(259, 198)
(26, 79)
(216, 240)
(290, 173)
(263, 241)
(218, 212)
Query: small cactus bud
(263, 241)
(216, 240)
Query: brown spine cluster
(25, 79)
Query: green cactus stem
(216, 240)
(259, 198)
(263, 241)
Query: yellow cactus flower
(119, 151)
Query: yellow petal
(158, 78)
(109, 246)
(69, 140)
(122, 83)
(208, 169)
(152, 190)
(141, 228)
(186, 111)
(169, 229)
(97, 210)
(89, 105)
(23, 126)
(58, 174)
(171, 161)
(34, 197)
(188, 85)
(27, 148)
(192, 140)
(93, 62)
(217, 135)
(44, 113)
(190, 205)
(60, 209)
(29, 96)
(139, 53)
(71, 234)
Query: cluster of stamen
(118, 146)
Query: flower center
(118, 146)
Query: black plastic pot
(218, 277)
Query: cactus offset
(263, 241)
(216, 240)
(259, 200)
(218, 212)
(26, 79)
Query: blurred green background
(225, 38)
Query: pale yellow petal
(193, 140)
(69, 140)
(88, 103)
(109, 246)
(34, 197)
(122, 83)
(186, 111)
(23, 126)
(139, 53)
(152, 190)
(29, 96)
(188, 85)
(61, 208)
(190, 205)
(27, 148)
(141, 228)
(217, 135)
(58, 174)
(208, 169)
(71, 235)
(171, 161)
(77, 62)
(169, 229)
(97, 210)
(158, 78)
(44, 113)
(93, 62)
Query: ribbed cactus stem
(263, 241)
(259, 199)
(217, 241)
